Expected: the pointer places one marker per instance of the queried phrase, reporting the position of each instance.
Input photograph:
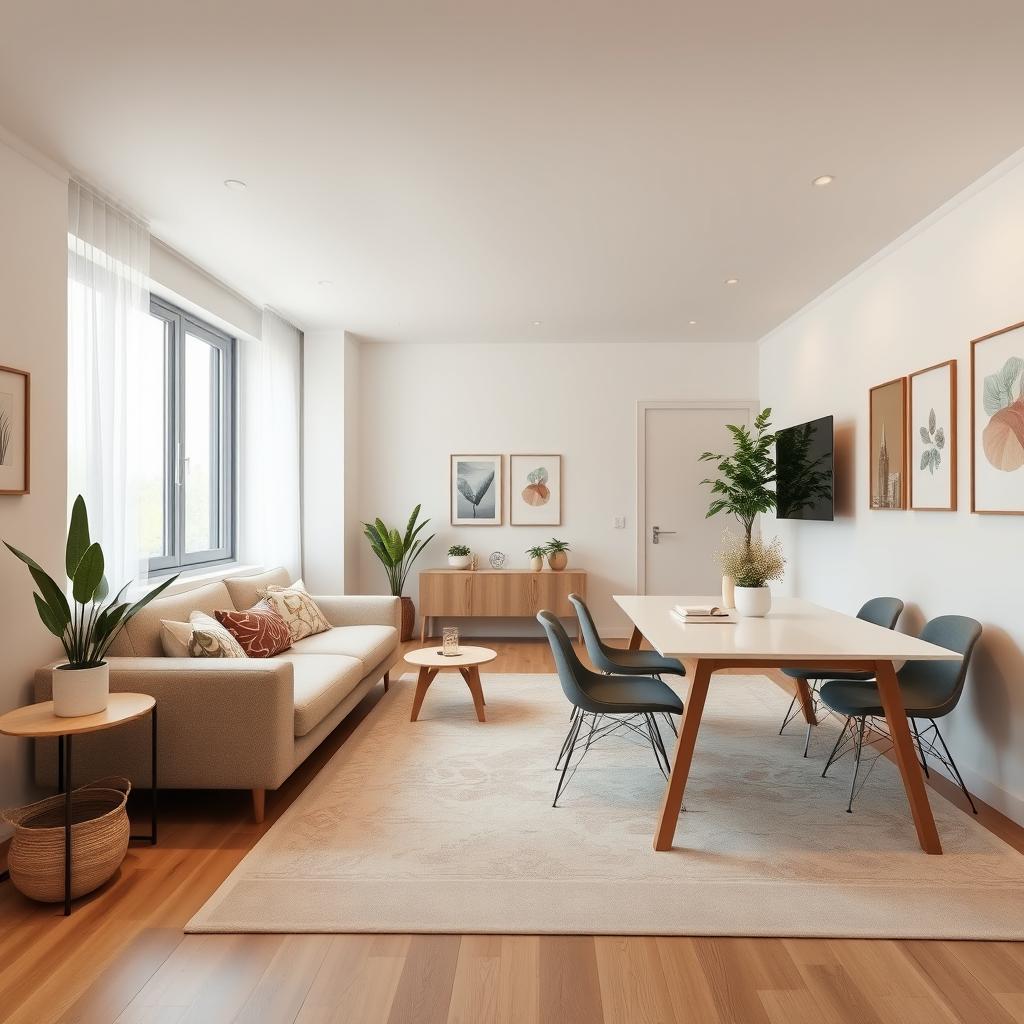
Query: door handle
(657, 531)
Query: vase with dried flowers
(752, 565)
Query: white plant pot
(754, 602)
(728, 592)
(460, 561)
(80, 691)
(537, 564)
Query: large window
(187, 485)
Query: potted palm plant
(397, 552)
(556, 552)
(85, 626)
(537, 553)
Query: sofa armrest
(223, 723)
(361, 611)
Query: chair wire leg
(651, 729)
(920, 749)
(952, 764)
(573, 733)
(856, 765)
(789, 716)
(832, 758)
(568, 736)
(672, 725)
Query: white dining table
(795, 634)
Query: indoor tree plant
(397, 552)
(556, 551)
(753, 565)
(537, 553)
(741, 488)
(85, 626)
(459, 556)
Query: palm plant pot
(80, 691)
(537, 563)
(99, 841)
(753, 602)
(408, 618)
(558, 560)
(460, 561)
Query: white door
(679, 543)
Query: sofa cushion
(245, 591)
(260, 631)
(321, 684)
(299, 611)
(200, 637)
(370, 644)
(141, 637)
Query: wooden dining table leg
(636, 639)
(803, 692)
(673, 800)
(906, 757)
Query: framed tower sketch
(887, 438)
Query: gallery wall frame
(997, 422)
(545, 492)
(476, 491)
(887, 408)
(934, 433)
(15, 430)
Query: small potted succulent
(459, 556)
(556, 551)
(753, 565)
(537, 553)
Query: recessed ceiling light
(235, 185)
(823, 179)
(732, 280)
(693, 323)
(325, 283)
(536, 323)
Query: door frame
(750, 406)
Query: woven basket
(99, 841)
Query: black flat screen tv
(804, 471)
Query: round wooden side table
(430, 661)
(37, 721)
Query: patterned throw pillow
(261, 632)
(200, 637)
(301, 613)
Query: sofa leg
(259, 799)
(387, 681)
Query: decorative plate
(497, 559)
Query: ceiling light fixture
(693, 323)
(536, 323)
(325, 283)
(235, 184)
(822, 180)
(732, 280)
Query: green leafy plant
(751, 563)
(933, 438)
(397, 551)
(537, 551)
(458, 551)
(87, 629)
(554, 546)
(741, 488)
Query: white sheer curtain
(108, 305)
(269, 408)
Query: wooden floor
(122, 956)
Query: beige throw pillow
(299, 611)
(200, 637)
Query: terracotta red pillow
(260, 631)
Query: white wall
(33, 292)
(420, 403)
(959, 276)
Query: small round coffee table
(430, 661)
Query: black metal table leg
(67, 826)
(155, 791)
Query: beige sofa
(234, 723)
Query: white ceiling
(459, 170)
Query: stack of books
(701, 613)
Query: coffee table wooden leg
(673, 800)
(423, 681)
(906, 757)
(803, 692)
(636, 639)
(477, 690)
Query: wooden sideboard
(494, 593)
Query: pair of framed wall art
(476, 486)
(913, 432)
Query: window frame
(179, 324)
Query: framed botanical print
(535, 490)
(475, 484)
(997, 422)
(14, 430)
(932, 453)
(887, 405)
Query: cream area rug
(446, 825)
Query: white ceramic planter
(537, 564)
(753, 602)
(80, 691)
(728, 592)
(460, 561)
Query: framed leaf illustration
(535, 490)
(475, 483)
(997, 422)
(933, 438)
(14, 430)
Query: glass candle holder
(450, 641)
